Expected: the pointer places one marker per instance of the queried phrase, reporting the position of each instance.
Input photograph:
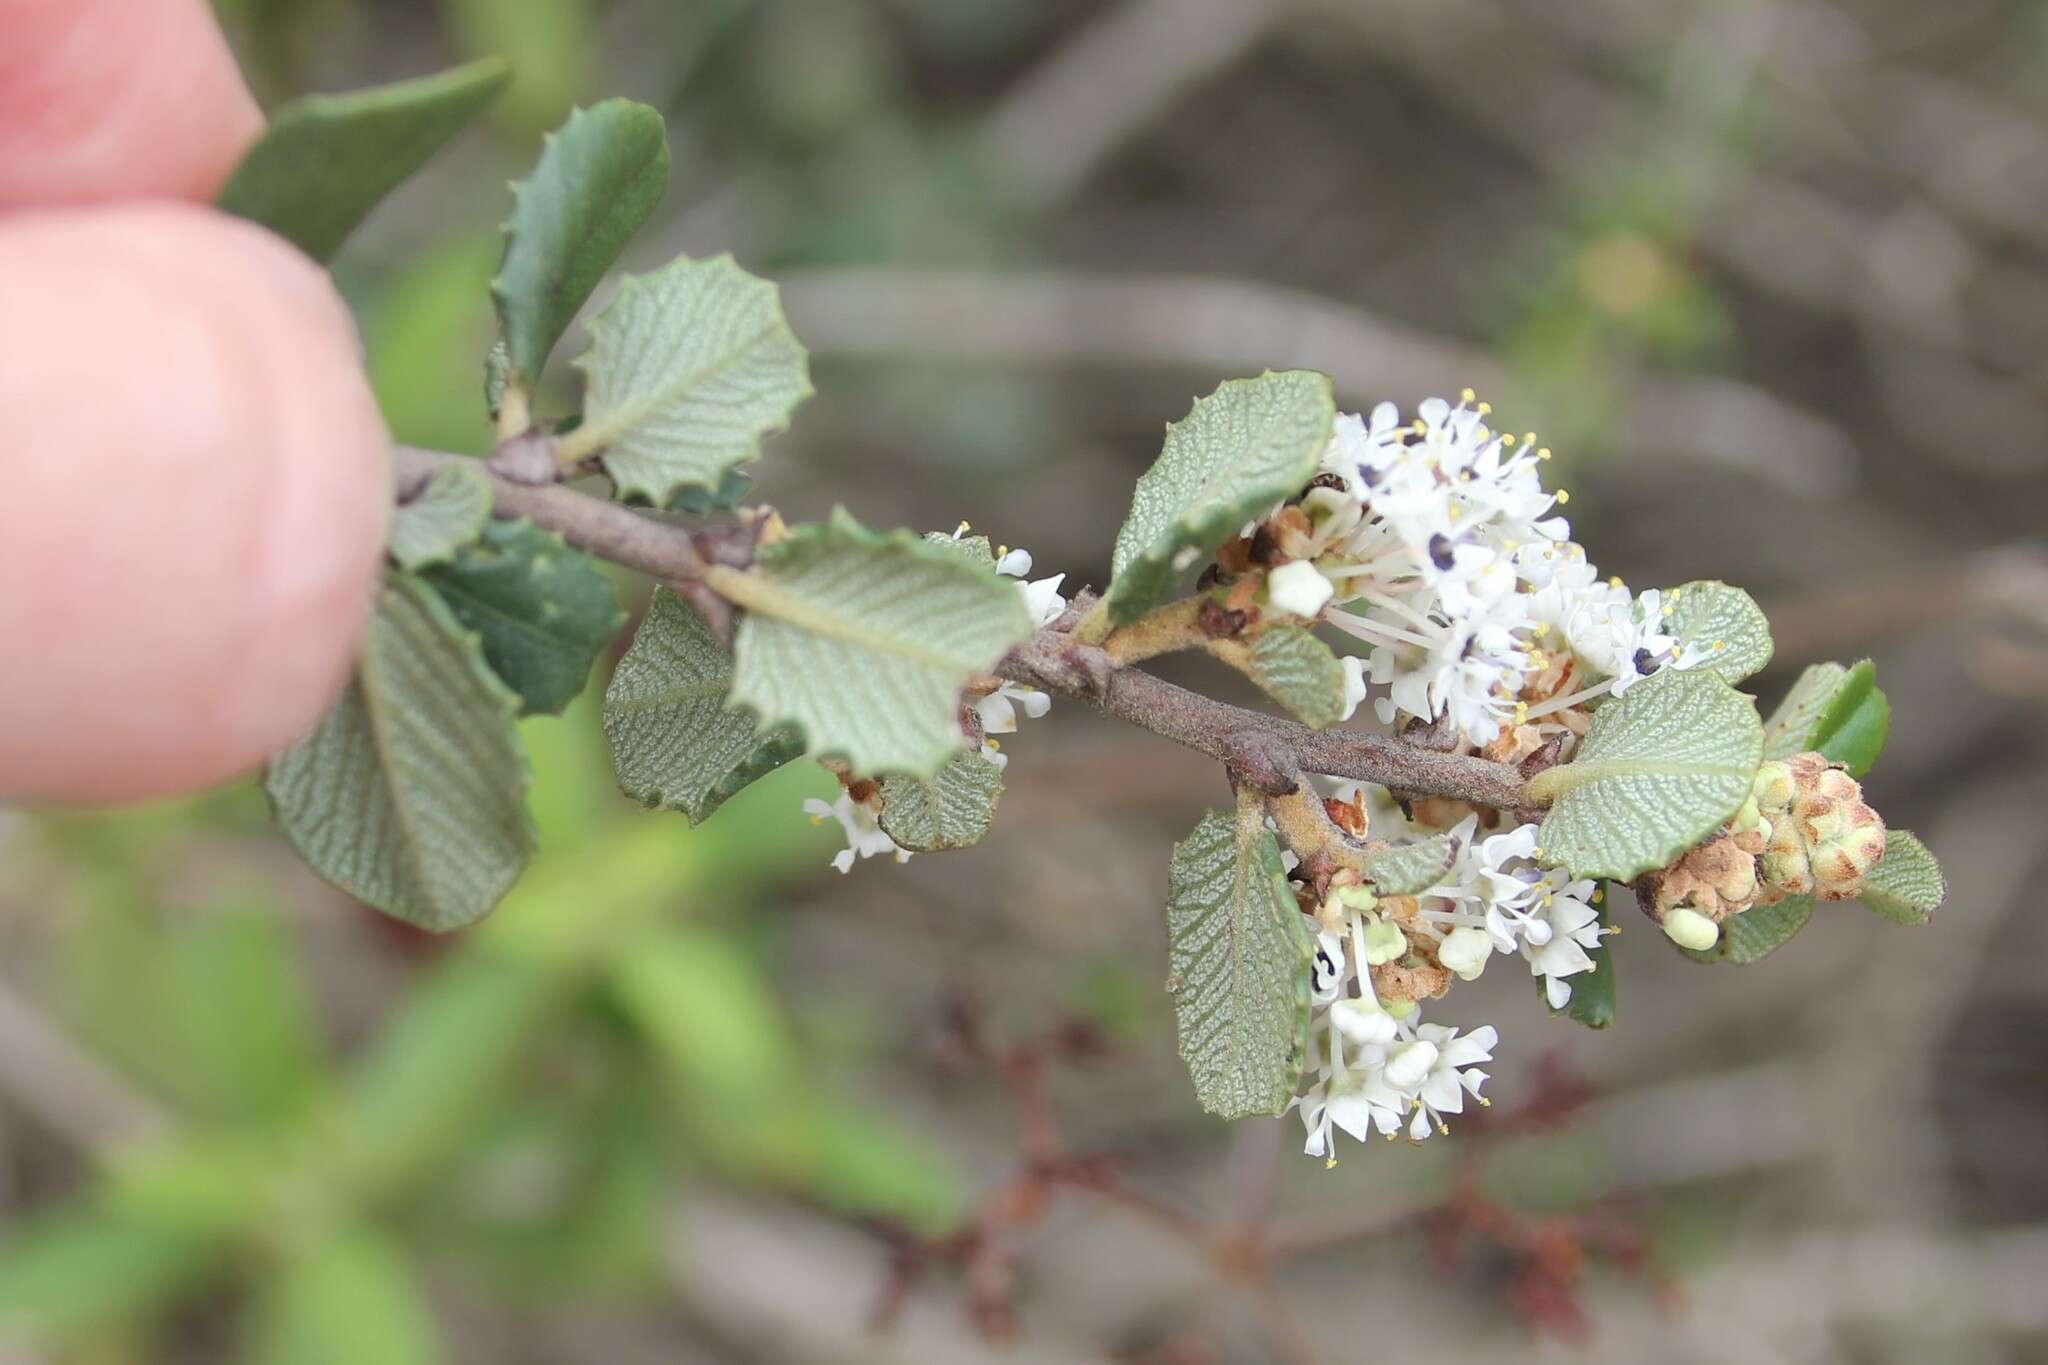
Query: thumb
(192, 511)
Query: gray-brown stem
(1260, 748)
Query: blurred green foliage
(539, 1091)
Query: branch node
(528, 458)
(1262, 760)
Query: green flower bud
(1691, 929)
(1774, 787)
(1383, 941)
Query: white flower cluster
(1376, 1068)
(1373, 1066)
(997, 711)
(1434, 542)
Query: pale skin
(195, 467)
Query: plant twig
(1264, 750)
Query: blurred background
(1770, 275)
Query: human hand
(195, 486)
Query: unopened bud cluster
(1805, 831)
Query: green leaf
(1757, 932)
(1853, 729)
(543, 611)
(1240, 950)
(1906, 886)
(448, 512)
(410, 794)
(731, 492)
(953, 808)
(1592, 1002)
(599, 177)
(1407, 869)
(350, 1299)
(1791, 727)
(1660, 770)
(864, 642)
(326, 160)
(688, 369)
(1241, 451)
(84, 1269)
(1724, 622)
(674, 742)
(1838, 712)
(1294, 668)
(974, 549)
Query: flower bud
(1690, 929)
(1362, 1021)
(1748, 818)
(1299, 589)
(1827, 838)
(1383, 941)
(1718, 879)
(1409, 1063)
(1465, 952)
(1773, 788)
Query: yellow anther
(1330, 1163)
(1466, 395)
(817, 819)
(1720, 645)
(1599, 894)
(1542, 454)
(1480, 433)
(1485, 408)
(1521, 713)
(1564, 496)
(1615, 582)
(1484, 1103)
(995, 744)
(1507, 438)
(1443, 1128)
(1536, 852)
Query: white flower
(864, 837)
(1298, 589)
(1560, 929)
(1354, 684)
(1326, 982)
(1453, 1072)
(998, 710)
(1041, 596)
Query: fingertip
(199, 489)
(118, 99)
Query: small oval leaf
(599, 177)
(951, 809)
(448, 512)
(1294, 668)
(410, 794)
(1240, 452)
(544, 611)
(1757, 932)
(1907, 885)
(675, 743)
(1240, 950)
(865, 641)
(1723, 625)
(1660, 770)
(689, 368)
(325, 161)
